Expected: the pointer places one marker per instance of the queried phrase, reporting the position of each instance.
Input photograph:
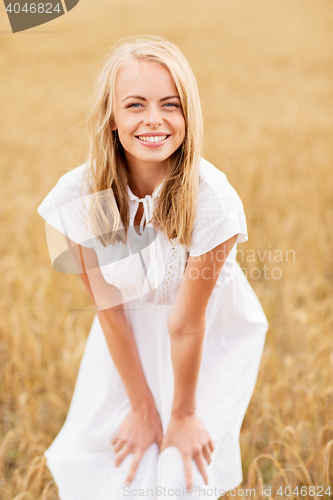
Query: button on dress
(81, 457)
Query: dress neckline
(155, 193)
(148, 206)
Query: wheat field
(265, 71)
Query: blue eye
(137, 104)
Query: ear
(113, 124)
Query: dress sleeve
(219, 216)
(65, 209)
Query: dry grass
(264, 70)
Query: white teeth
(156, 138)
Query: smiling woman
(149, 120)
(173, 352)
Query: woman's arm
(186, 324)
(117, 331)
(142, 425)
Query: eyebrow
(144, 99)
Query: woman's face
(147, 112)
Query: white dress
(81, 457)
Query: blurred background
(265, 73)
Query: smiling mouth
(152, 138)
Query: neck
(143, 178)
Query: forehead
(140, 77)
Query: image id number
(41, 8)
(304, 491)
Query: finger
(114, 438)
(118, 446)
(199, 460)
(211, 445)
(134, 467)
(121, 455)
(159, 441)
(188, 471)
(163, 445)
(207, 453)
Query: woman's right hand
(140, 428)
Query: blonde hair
(106, 166)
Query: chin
(155, 156)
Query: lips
(153, 138)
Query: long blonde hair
(106, 165)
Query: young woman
(174, 350)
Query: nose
(153, 116)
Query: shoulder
(216, 194)
(65, 208)
(219, 211)
(68, 188)
(69, 185)
(219, 217)
(209, 174)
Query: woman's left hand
(188, 434)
